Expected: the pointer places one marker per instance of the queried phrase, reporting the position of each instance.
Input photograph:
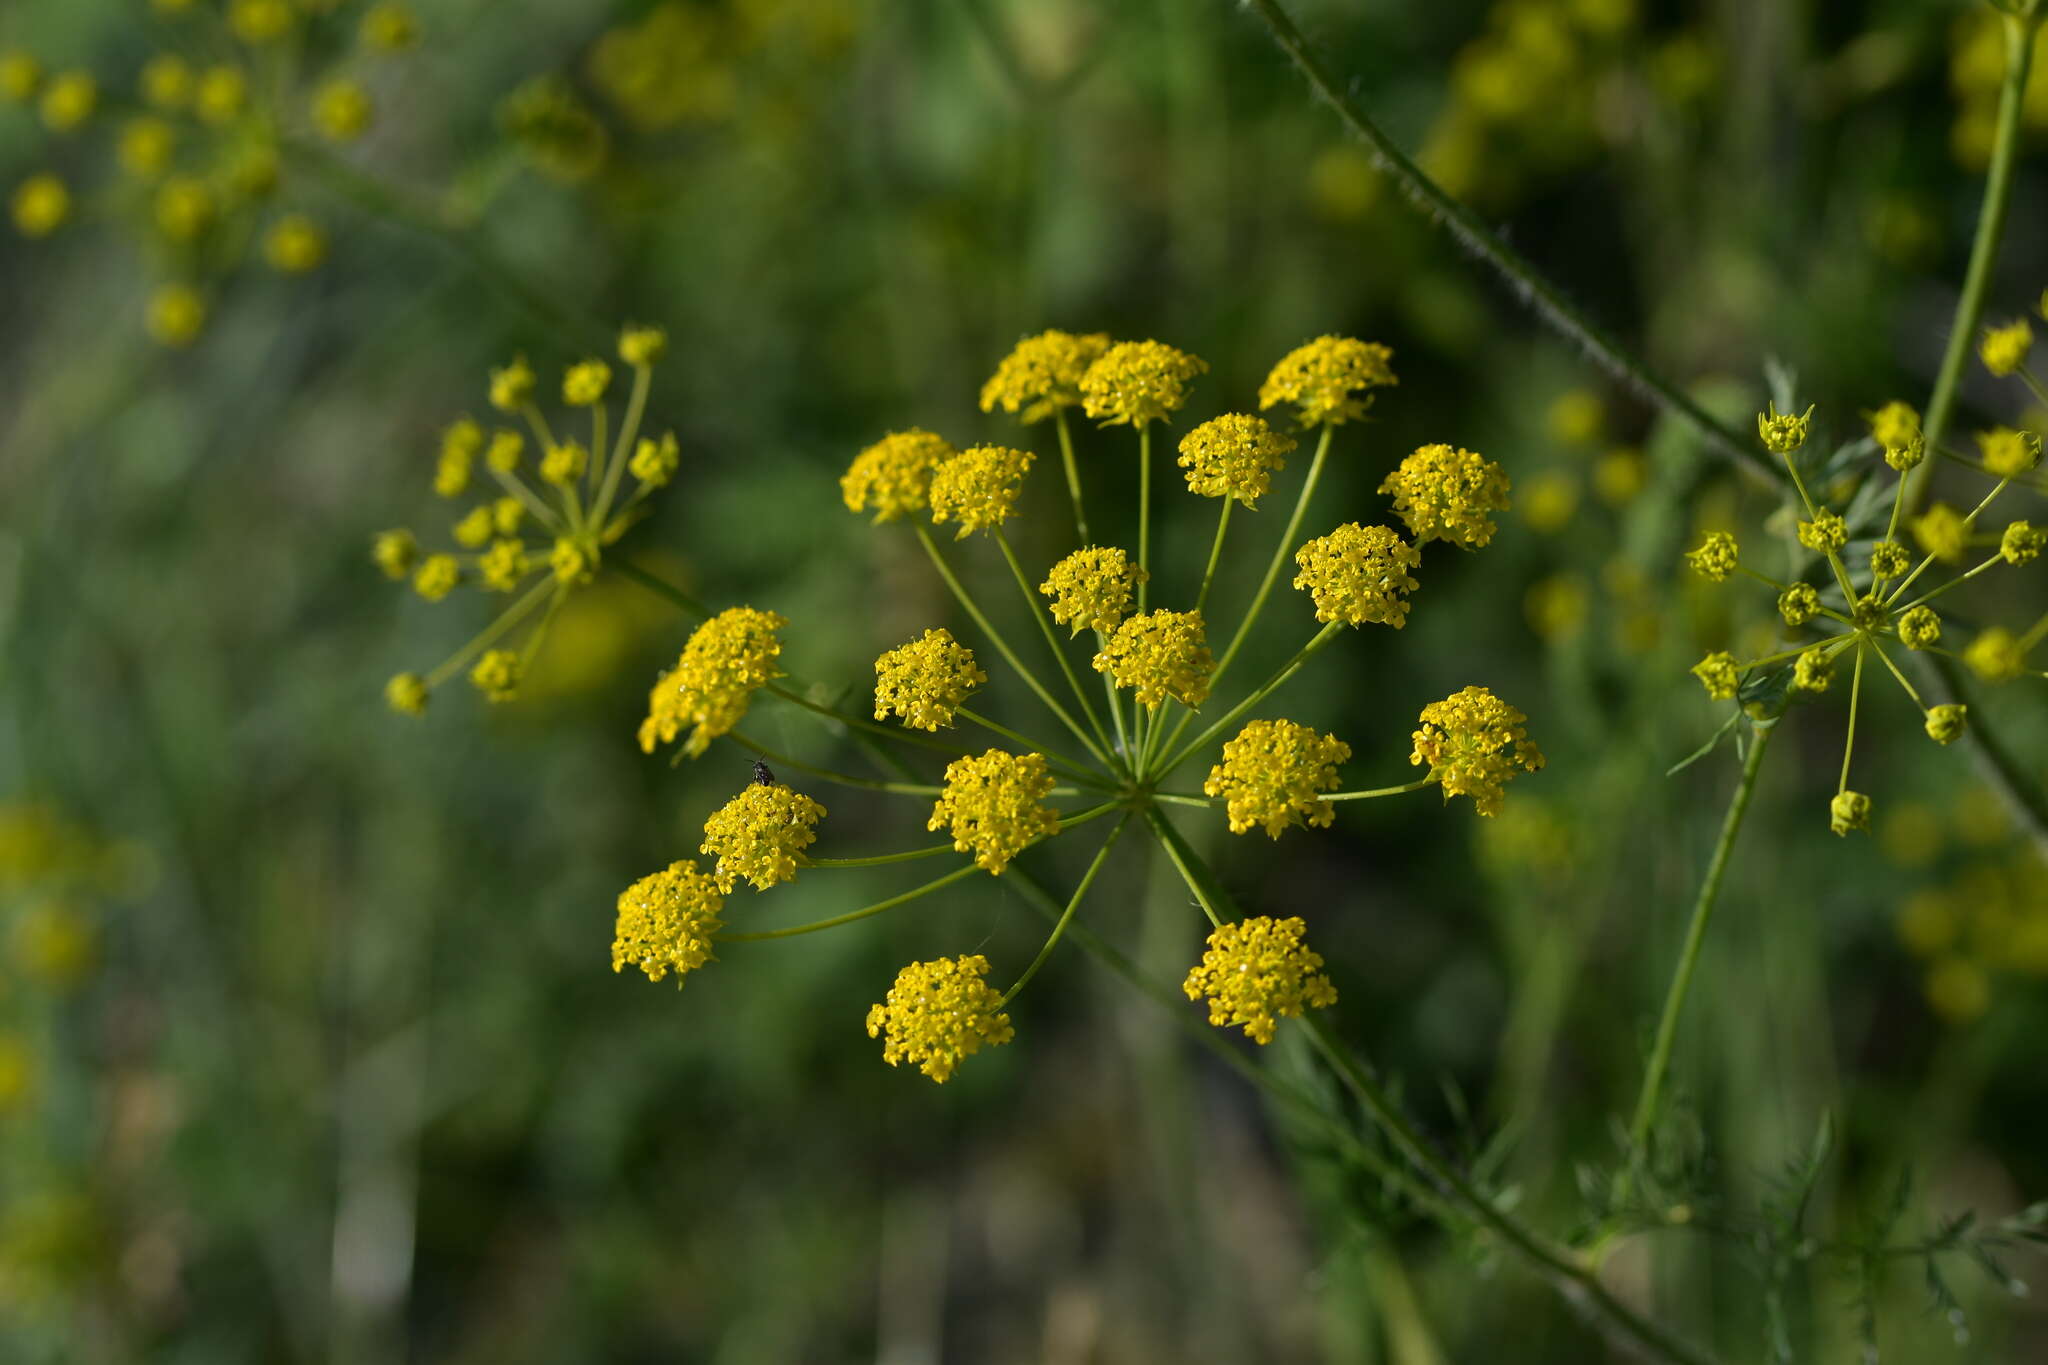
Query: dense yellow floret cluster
(1359, 575)
(937, 1014)
(759, 834)
(1475, 744)
(1257, 972)
(666, 922)
(727, 659)
(926, 681)
(992, 806)
(1274, 774)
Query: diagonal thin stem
(1073, 474)
(1266, 689)
(1059, 927)
(850, 916)
(1052, 641)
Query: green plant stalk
(1144, 516)
(1073, 474)
(1080, 772)
(1052, 642)
(1252, 613)
(850, 916)
(783, 760)
(1287, 670)
(1059, 927)
(1215, 551)
(1651, 1097)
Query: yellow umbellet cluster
(1043, 374)
(666, 922)
(1257, 972)
(1329, 380)
(727, 659)
(937, 1014)
(894, 475)
(1475, 744)
(1137, 382)
(1159, 654)
(978, 488)
(1092, 589)
(991, 804)
(1233, 456)
(1273, 775)
(1359, 575)
(1447, 494)
(759, 834)
(926, 681)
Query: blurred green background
(307, 1046)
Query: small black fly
(762, 776)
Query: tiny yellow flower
(177, 315)
(1258, 971)
(1870, 613)
(475, 529)
(1942, 532)
(1576, 417)
(666, 922)
(504, 566)
(926, 681)
(497, 674)
(460, 442)
(1273, 775)
(223, 92)
(1782, 432)
(259, 21)
(1945, 723)
(1995, 655)
(512, 386)
(1445, 494)
(1718, 673)
(1475, 744)
(1715, 559)
(294, 245)
(1329, 379)
(395, 552)
(1920, 628)
(406, 694)
(506, 450)
(759, 834)
(1359, 575)
(1092, 589)
(978, 487)
(654, 462)
(642, 346)
(41, 204)
(726, 660)
(2022, 543)
(1233, 456)
(572, 562)
(1896, 429)
(167, 82)
(894, 475)
(584, 383)
(1043, 374)
(389, 27)
(1136, 382)
(2009, 453)
(1799, 604)
(1620, 477)
(508, 514)
(20, 74)
(938, 1014)
(342, 110)
(2004, 349)
(1848, 811)
(1813, 670)
(1888, 559)
(1827, 533)
(146, 147)
(69, 100)
(438, 576)
(1159, 654)
(991, 804)
(184, 208)
(565, 463)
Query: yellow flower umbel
(991, 805)
(1273, 775)
(1138, 382)
(1359, 575)
(177, 315)
(1782, 432)
(666, 922)
(1092, 589)
(894, 475)
(938, 1014)
(1715, 559)
(727, 659)
(759, 835)
(1160, 654)
(2004, 349)
(342, 110)
(1475, 744)
(575, 503)
(926, 681)
(2008, 453)
(497, 674)
(1258, 972)
(1329, 380)
(1043, 374)
(1446, 494)
(1896, 429)
(1233, 456)
(978, 488)
(294, 245)
(41, 204)
(69, 100)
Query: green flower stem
(1855, 703)
(829, 775)
(1280, 552)
(1059, 927)
(1650, 1100)
(2037, 483)
(1924, 598)
(530, 500)
(599, 463)
(1003, 647)
(491, 633)
(1968, 522)
(880, 859)
(662, 588)
(1969, 315)
(1185, 860)
(1073, 474)
(1911, 691)
(850, 916)
(1528, 283)
(1144, 514)
(1761, 578)
(1215, 551)
(1036, 607)
(1116, 711)
(547, 618)
(1082, 774)
(2034, 385)
(2033, 635)
(1782, 655)
(1813, 514)
(1417, 785)
(1182, 799)
(1287, 670)
(636, 407)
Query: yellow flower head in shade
(1233, 456)
(1799, 604)
(460, 442)
(20, 74)
(2009, 453)
(1888, 559)
(1920, 628)
(1043, 374)
(504, 566)
(937, 1014)
(1475, 744)
(1813, 670)
(1330, 379)
(177, 315)
(726, 660)
(1446, 494)
(475, 529)
(1942, 532)
(1160, 654)
(2022, 543)
(69, 99)
(184, 208)
(759, 834)
(1273, 774)
(926, 681)
(406, 694)
(1825, 534)
(1138, 382)
(259, 21)
(1782, 432)
(991, 804)
(395, 552)
(222, 92)
(1995, 655)
(295, 244)
(512, 386)
(1257, 972)
(1715, 558)
(41, 204)
(342, 110)
(438, 576)
(565, 463)
(497, 674)
(2004, 349)
(666, 922)
(1848, 811)
(1896, 429)
(146, 146)
(1945, 723)
(389, 27)
(978, 487)
(572, 561)
(654, 462)
(642, 346)
(584, 383)
(1718, 674)
(1359, 574)
(504, 453)
(1091, 589)
(894, 475)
